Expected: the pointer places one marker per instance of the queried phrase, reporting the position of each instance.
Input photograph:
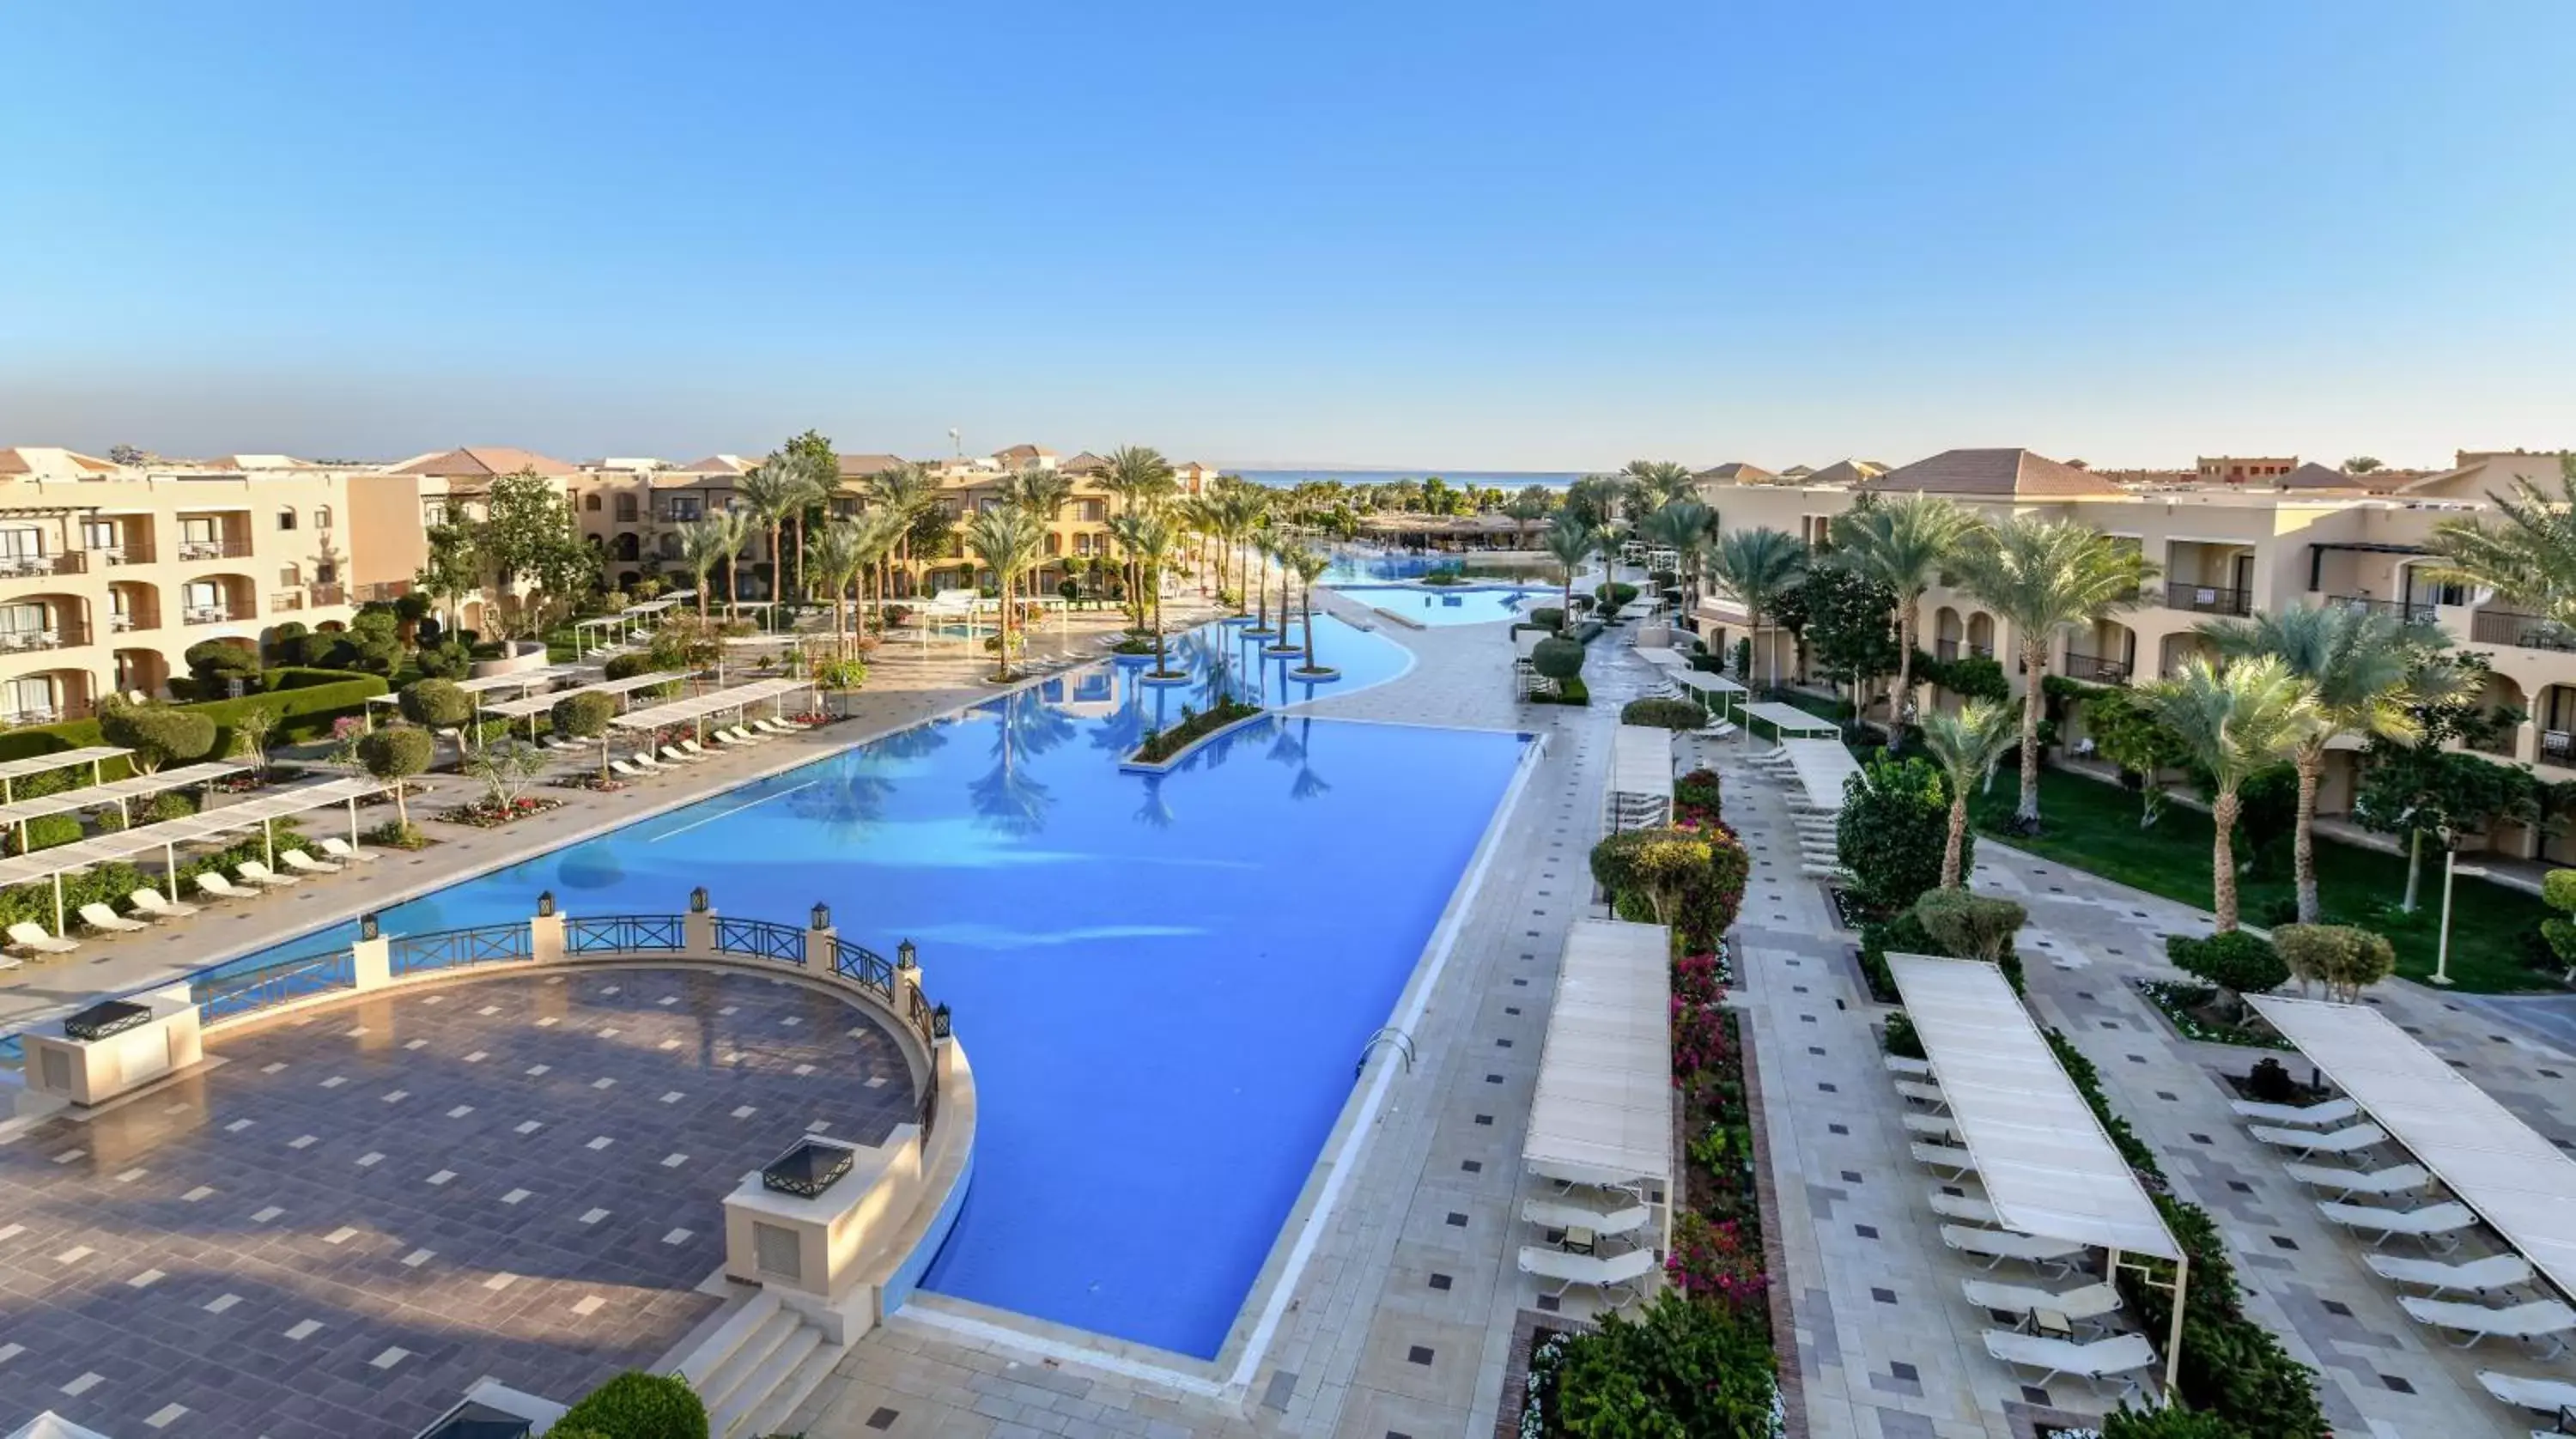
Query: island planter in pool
(1166, 681)
(1318, 675)
(1181, 756)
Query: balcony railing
(2093, 669)
(77, 709)
(285, 600)
(214, 614)
(2530, 632)
(2405, 612)
(119, 624)
(2206, 600)
(130, 552)
(325, 596)
(2557, 745)
(51, 637)
(27, 566)
(214, 550)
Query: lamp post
(2442, 951)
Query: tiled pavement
(361, 1209)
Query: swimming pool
(1453, 604)
(1164, 1020)
(1355, 565)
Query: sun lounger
(673, 754)
(107, 921)
(1931, 1126)
(302, 863)
(2395, 1179)
(2432, 1222)
(343, 851)
(730, 740)
(1922, 1093)
(643, 759)
(2475, 1276)
(1907, 1067)
(260, 874)
(2120, 1354)
(1954, 1162)
(1618, 1273)
(158, 905)
(27, 934)
(2546, 1395)
(2092, 1301)
(1965, 1209)
(213, 883)
(693, 749)
(619, 766)
(775, 726)
(2351, 1139)
(1625, 1218)
(2292, 1116)
(1822, 871)
(2529, 1322)
(1997, 1245)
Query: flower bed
(1163, 744)
(484, 814)
(2188, 1008)
(394, 834)
(603, 783)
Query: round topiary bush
(2235, 961)
(1663, 713)
(639, 1406)
(1557, 658)
(1614, 596)
(439, 704)
(1548, 617)
(444, 661)
(583, 716)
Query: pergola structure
(694, 709)
(531, 706)
(1716, 691)
(1641, 778)
(1603, 1111)
(95, 756)
(258, 812)
(1788, 719)
(120, 792)
(1823, 768)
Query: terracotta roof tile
(2000, 473)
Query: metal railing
(2097, 670)
(130, 552)
(213, 615)
(457, 948)
(864, 966)
(2208, 600)
(2406, 612)
(220, 996)
(69, 562)
(190, 550)
(761, 938)
(2529, 632)
(62, 636)
(615, 932)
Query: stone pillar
(546, 938)
(371, 962)
(698, 930)
(818, 948)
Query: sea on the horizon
(1499, 479)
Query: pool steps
(758, 1366)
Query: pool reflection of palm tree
(1155, 810)
(1307, 784)
(1007, 796)
(847, 799)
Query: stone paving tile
(316, 1316)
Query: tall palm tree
(1965, 745)
(835, 554)
(1904, 544)
(1009, 541)
(1568, 543)
(2234, 721)
(1757, 566)
(1140, 477)
(770, 495)
(1657, 483)
(1043, 493)
(905, 490)
(1151, 538)
(734, 526)
(2363, 667)
(2528, 556)
(2043, 576)
(704, 544)
(1308, 566)
(1681, 526)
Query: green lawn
(2094, 827)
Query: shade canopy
(1707, 683)
(696, 707)
(142, 786)
(1789, 719)
(17, 769)
(1603, 1113)
(538, 704)
(168, 835)
(521, 679)
(2047, 1166)
(1641, 761)
(1822, 766)
(2515, 1179)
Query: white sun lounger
(1997, 1245)
(1964, 1208)
(1932, 1127)
(213, 883)
(2100, 1359)
(2293, 1116)
(107, 921)
(153, 902)
(1922, 1093)
(729, 739)
(2092, 1301)
(2395, 1179)
(2546, 1395)
(2476, 1276)
(1905, 1068)
(27, 934)
(2429, 1223)
(2530, 1322)
(1944, 1157)
(342, 850)
(619, 766)
(2349, 1140)
(302, 863)
(693, 749)
(673, 754)
(1560, 1214)
(260, 874)
(643, 759)
(1618, 1273)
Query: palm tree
(1904, 544)
(735, 527)
(905, 490)
(2363, 667)
(2528, 557)
(771, 494)
(1009, 541)
(704, 544)
(1966, 745)
(1657, 483)
(1308, 566)
(2234, 721)
(1758, 566)
(2043, 576)
(1150, 538)
(1569, 544)
(835, 554)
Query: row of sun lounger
(1603, 1214)
(150, 905)
(689, 751)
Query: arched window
(321, 517)
(590, 502)
(286, 519)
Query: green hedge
(636, 1405)
(305, 707)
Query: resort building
(2302, 534)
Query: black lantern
(906, 956)
(822, 915)
(112, 1016)
(545, 904)
(808, 1169)
(939, 1021)
(698, 900)
(367, 926)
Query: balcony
(215, 614)
(15, 567)
(220, 549)
(2529, 632)
(2093, 669)
(60, 636)
(2206, 600)
(281, 601)
(132, 624)
(323, 597)
(131, 552)
(2414, 612)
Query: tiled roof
(1738, 471)
(51, 462)
(859, 467)
(718, 465)
(1847, 472)
(1084, 463)
(2313, 476)
(483, 462)
(2014, 473)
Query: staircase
(757, 1367)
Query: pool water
(1454, 604)
(1356, 565)
(1163, 982)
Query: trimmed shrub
(2342, 957)
(447, 661)
(158, 734)
(396, 752)
(1557, 659)
(1892, 831)
(302, 713)
(214, 663)
(169, 804)
(1905, 934)
(2171, 1421)
(439, 704)
(286, 643)
(1690, 879)
(1681, 1366)
(583, 716)
(2237, 962)
(1613, 596)
(1976, 677)
(635, 1405)
(1970, 926)
(1548, 617)
(1663, 713)
(1697, 791)
(45, 832)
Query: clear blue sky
(1487, 235)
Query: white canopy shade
(2047, 1166)
(539, 704)
(696, 707)
(1789, 719)
(1603, 1113)
(1707, 683)
(1641, 761)
(2516, 1180)
(168, 835)
(11, 771)
(520, 679)
(1822, 765)
(141, 786)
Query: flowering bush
(1699, 1038)
(1715, 1260)
(1699, 979)
(1695, 799)
(487, 814)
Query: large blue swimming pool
(1453, 604)
(1163, 982)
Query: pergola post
(170, 868)
(2173, 1330)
